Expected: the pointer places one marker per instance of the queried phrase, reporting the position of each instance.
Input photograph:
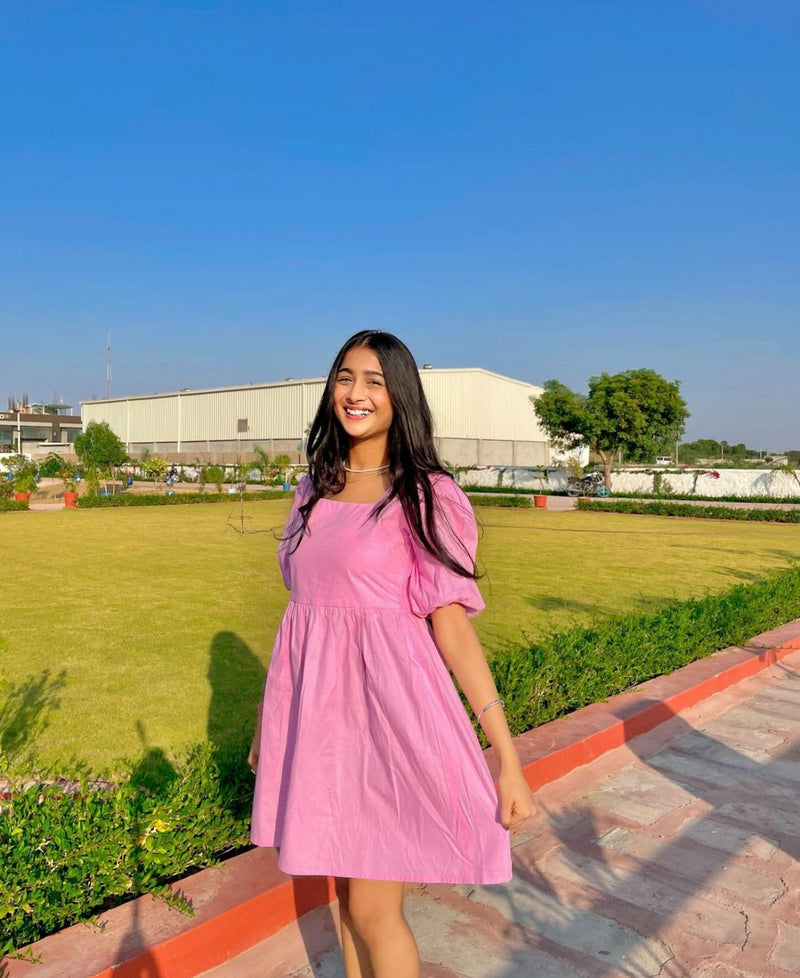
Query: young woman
(367, 766)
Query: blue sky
(543, 189)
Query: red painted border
(227, 934)
(553, 750)
(247, 899)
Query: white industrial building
(481, 418)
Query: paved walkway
(676, 856)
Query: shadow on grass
(554, 602)
(236, 677)
(636, 602)
(25, 709)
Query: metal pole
(108, 365)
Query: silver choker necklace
(378, 468)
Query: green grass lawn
(153, 627)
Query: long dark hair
(412, 454)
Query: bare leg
(354, 951)
(375, 910)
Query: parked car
(664, 460)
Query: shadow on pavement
(643, 884)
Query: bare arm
(463, 653)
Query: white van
(664, 460)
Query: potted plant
(24, 485)
(24, 477)
(68, 475)
(283, 464)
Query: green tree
(50, 466)
(263, 462)
(242, 470)
(282, 465)
(637, 411)
(702, 448)
(100, 450)
(738, 453)
(154, 467)
(216, 475)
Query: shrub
(659, 508)
(216, 475)
(51, 465)
(162, 499)
(571, 669)
(517, 490)
(734, 498)
(154, 468)
(24, 473)
(514, 502)
(65, 855)
(11, 505)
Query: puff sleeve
(432, 584)
(292, 526)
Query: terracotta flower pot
(540, 502)
(70, 500)
(22, 497)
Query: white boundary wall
(684, 482)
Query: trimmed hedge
(179, 499)
(587, 665)
(66, 857)
(732, 498)
(664, 508)
(639, 495)
(12, 506)
(514, 502)
(519, 490)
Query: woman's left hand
(516, 799)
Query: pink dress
(369, 767)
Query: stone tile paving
(675, 857)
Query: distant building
(481, 418)
(37, 429)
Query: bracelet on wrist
(488, 705)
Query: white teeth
(357, 414)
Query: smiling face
(360, 398)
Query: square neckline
(353, 502)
